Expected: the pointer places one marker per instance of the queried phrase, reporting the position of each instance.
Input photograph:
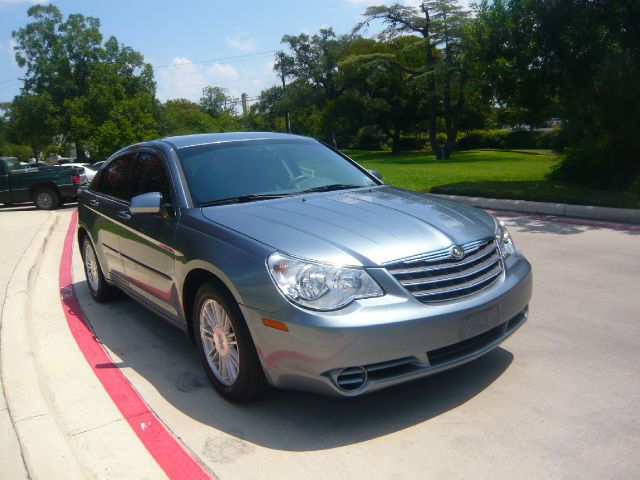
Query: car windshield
(254, 169)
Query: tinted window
(227, 170)
(151, 176)
(116, 179)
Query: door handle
(124, 215)
(93, 203)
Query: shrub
(600, 164)
(369, 138)
(510, 139)
(22, 152)
(411, 143)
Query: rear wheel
(46, 199)
(100, 290)
(225, 346)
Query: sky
(194, 43)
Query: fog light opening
(351, 378)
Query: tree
(387, 94)
(216, 101)
(503, 59)
(183, 117)
(440, 24)
(32, 121)
(83, 87)
(314, 60)
(584, 57)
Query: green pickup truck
(47, 187)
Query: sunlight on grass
(420, 171)
(517, 175)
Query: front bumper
(379, 342)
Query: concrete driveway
(557, 400)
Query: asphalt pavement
(557, 400)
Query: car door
(109, 199)
(147, 252)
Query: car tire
(98, 287)
(225, 346)
(46, 199)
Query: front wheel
(46, 199)
(225, 346)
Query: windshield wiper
(243, 199)
(330, 188)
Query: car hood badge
(457, 252)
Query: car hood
(367, 227)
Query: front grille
(439, 276)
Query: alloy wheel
(219, 342)
(91, 267)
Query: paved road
(558, 400)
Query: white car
(88, 172)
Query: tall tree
(388, 95)
(313, 59)
(439, 24)
(583, 55)
(90, 85)
(216, 101)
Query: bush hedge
(510, 139)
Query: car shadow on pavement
(150, 350)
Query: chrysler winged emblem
(457, 252)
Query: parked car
(39, 165)
(87, 171)
(290, 265)
(46, 187)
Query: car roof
(183, 141)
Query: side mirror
(376, 174)
(147, 203)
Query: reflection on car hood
(356, 227)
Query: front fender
(239, 262)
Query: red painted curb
(161, 444)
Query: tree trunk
(80, 156)
(449, 114)
(433, 135)
(395, 142)
(433, 101)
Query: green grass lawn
(517, 175)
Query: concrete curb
(624, 215)
(46, 451)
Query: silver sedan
(290, 265)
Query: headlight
(505, 242)
(317, 285)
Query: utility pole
(245, 109)
(287, 120)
